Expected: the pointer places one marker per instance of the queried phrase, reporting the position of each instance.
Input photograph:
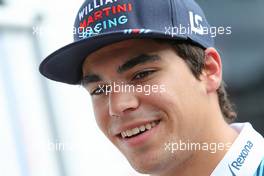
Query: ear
(212, 72)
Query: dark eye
(100, 90)
(97, 91)
(143, 74)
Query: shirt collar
(245, 153)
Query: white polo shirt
(246, 155)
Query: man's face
(173, 112)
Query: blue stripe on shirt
(260, 170)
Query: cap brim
(65, 64)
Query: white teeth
(142, 128)
(148, 126)
(137, 130)
(129, 133)
(123, 134)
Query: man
(155, 81)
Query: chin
(145, 168)
(149, 164)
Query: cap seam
(172, 10)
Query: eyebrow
(129, 64)
(139, 60)
(91, 78)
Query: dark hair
(194, 55)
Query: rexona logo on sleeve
(238, 163)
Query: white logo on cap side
(195, 22)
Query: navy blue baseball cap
(103, 22)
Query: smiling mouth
(138, 130)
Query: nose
(122, 102)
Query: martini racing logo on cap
(102, 15)
(238, 163)
(102, 22)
